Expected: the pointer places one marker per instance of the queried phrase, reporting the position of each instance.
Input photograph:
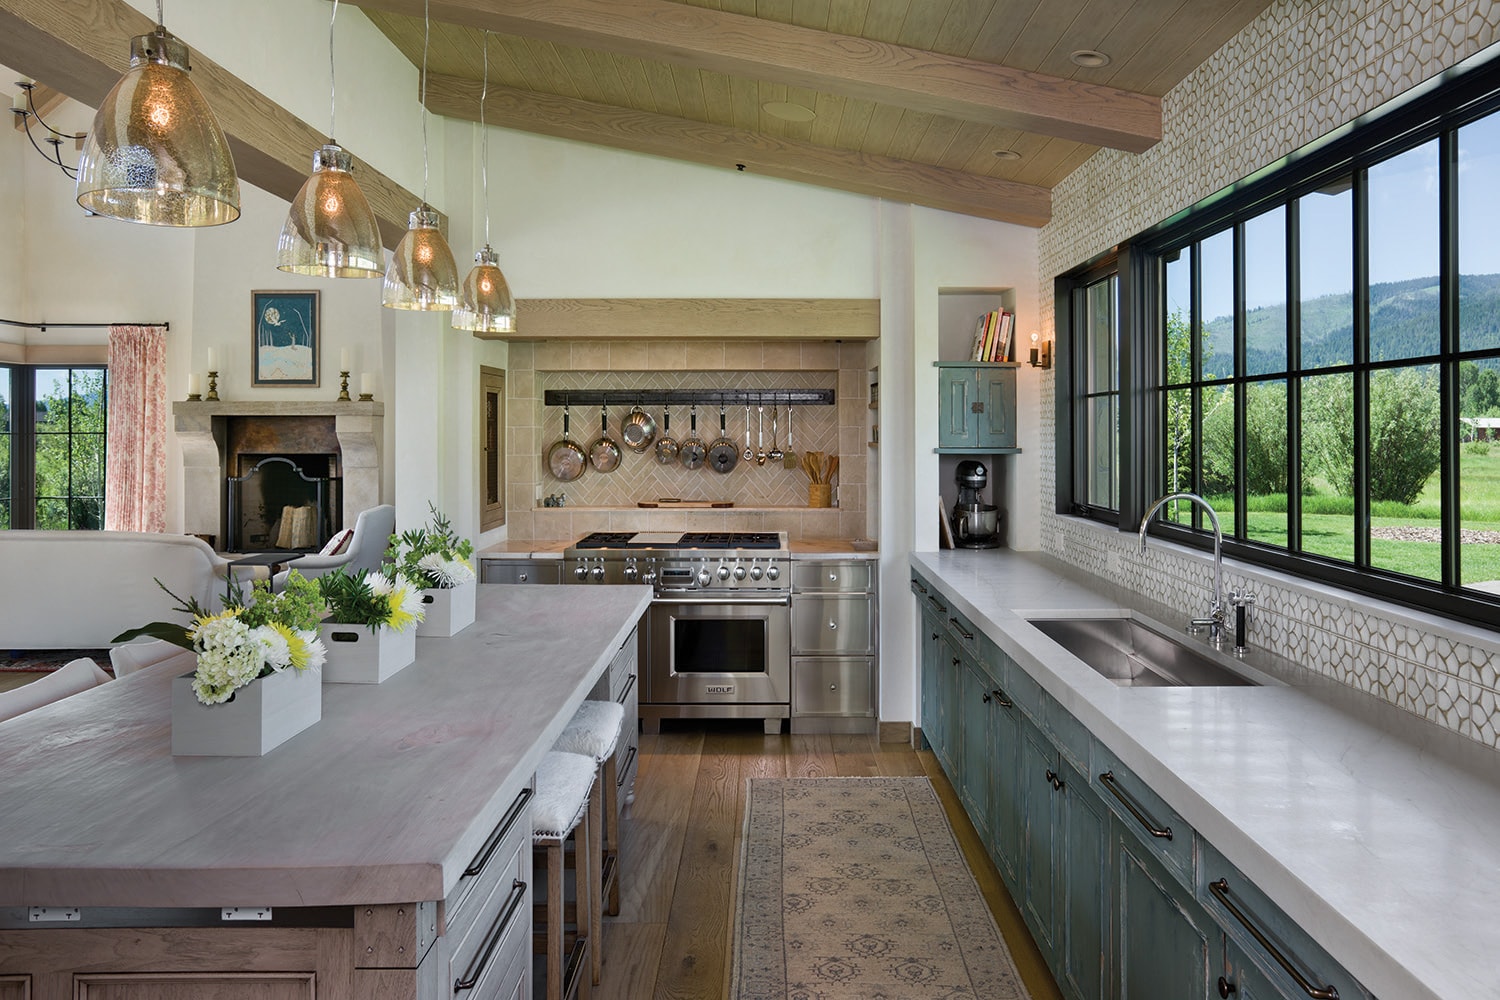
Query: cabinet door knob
(1226, 988)
(523, 577)
(833, 687)
(833, 626)
(833, 578)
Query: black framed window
(1096, 308)
(1321, 360)
(52, 446)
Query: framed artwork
(284, 348)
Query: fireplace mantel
(201, 428)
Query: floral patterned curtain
(135, 485)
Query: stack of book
(992, 337)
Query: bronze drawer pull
(625, 771)
(1164, 832)
(961, 630)
(1053, 780)
(1220, 889)
(937, 604)
(497, 931)
(477, 865)
(629, 686)
(923, 589)
(1001, 700)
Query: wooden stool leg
(556, 903)
(612, 832)
(589, 849)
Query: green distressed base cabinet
(1116, 888)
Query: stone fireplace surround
(204, 435)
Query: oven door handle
(737, 602)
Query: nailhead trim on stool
(566, 805)
(594, 731)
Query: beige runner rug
(855, 889)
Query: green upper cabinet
(976, 406)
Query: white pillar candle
(213, 360)
(366, 384)
(18, 103)
(343, 359)
(193, 386)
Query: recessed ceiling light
(1089, 58)
(1007, 154)
(788, 112)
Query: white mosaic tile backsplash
(1298, 71)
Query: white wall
(12, 202)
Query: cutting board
(676, 503)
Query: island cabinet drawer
(499, 862)
(493, 961)
(1286, 954)
(1073, 739)
(624, 669)
(826, 576)
(520, 571)
(842, 686)
(832, 625)
(1142, 811)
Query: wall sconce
(1041, 352)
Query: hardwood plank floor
(680, 848)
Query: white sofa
(80, 589)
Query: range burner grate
(730, 540)
(605, 540)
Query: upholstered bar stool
(593, 732)
(565, 806)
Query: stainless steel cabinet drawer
(823, 576)
(832, 625)
(837, 686)
(520, 571)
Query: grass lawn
(1329, 531)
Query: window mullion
(1448, 332)
(1293, 383)
(1240, 403)
(1195, 369)
(1361, 204)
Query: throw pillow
(338, 543)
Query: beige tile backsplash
(766, 498)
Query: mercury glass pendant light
(422, 274)
(329, 229)
(155, 153)
(485, 304)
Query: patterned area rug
(43, 660)
(855, 889)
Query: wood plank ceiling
(972, 106)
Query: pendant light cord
(426, 37)
(159, 20)
(332, 84)
(484, 140)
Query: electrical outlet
(55, 914)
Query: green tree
(1265, 440)
(70, 428)
(1405, 432)
(1179, 404)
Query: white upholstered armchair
(365, 551)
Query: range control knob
(772, 572)
(631, 572)
(703, 577)
(723, 572)
(739, 572)
(756, 572)
(581, 571)
(599, 572)
(649, 577)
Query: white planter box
(449, 611)
(358, 656)
(260, 716)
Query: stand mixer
(976, 524)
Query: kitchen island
(356, 835)
(1371, 829)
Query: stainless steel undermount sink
(1131, 654)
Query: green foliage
(1178, 459)
(1405, 432)
(407, 549)
(299, 605)
(1479, 448)
(351, 601)
(1478, 389)
(70, 428)
(1265, 439)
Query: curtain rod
(79, 326)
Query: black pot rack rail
(688, 397)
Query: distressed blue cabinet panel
(976, 406)
(1165, 946)
(1244, 981)
(1039, 861)
(1005, 792)
(975, 764)
(1083, 905)
(931, 653)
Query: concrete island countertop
(385, 800)
(1374, 830)
(822, 548)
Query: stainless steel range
(717, 641)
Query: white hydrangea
(228, 657)
(444, 572)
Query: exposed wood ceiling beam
(738, 45)
(82, 48)
(720, 146)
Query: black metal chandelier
(28, 113)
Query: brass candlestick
(367, 397)
(344, 386)
(213, 388)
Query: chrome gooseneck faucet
(1217, 612)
